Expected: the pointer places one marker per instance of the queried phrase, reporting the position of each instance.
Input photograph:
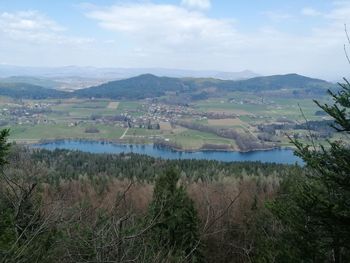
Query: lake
(284, 156)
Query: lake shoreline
(175, 149)
(276, 155)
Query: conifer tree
(314, 208)
(4, 147)
(176, 233)
(24, 232)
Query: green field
(62, 131)
(191, 139)
(69, 118)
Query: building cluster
(251, 101)
(26, 113)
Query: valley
(229, 120)
(174, 131)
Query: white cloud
(308, 11)
(341, 12)
(165, 26)
(34, 27)
(174, 36)
(201, 4)
(27, 20)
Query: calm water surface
(275, 156)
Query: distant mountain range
(151, 86)
(116, 73)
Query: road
(126, 131)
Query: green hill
(42, 82)
(143, 86)
(150, 86)
(275, 82)
(29, 91)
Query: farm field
(143, 121)
(39, 132)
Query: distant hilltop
(118, 73)
(183, 89)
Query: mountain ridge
(151, 86)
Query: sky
(266, 36)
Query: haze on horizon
(267, 37)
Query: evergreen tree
(7, 233)
(4, 147)
(314, 208)
(176, 232)
(24, 232)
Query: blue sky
(266, 36)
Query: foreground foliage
(177, 229)
(102, 208)
(314, 208)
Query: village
(225, 119)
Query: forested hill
(276, 82)
(29, 91)
(143, 86)
(42, 82)
(150, 86)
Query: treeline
(64, 164)
(321, 126)
(319, 129)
